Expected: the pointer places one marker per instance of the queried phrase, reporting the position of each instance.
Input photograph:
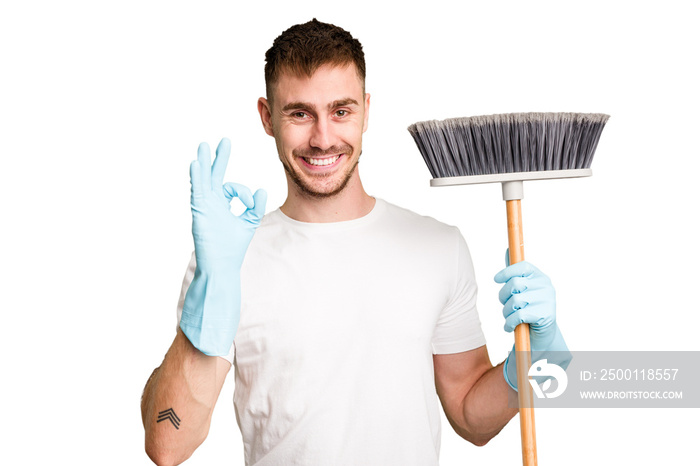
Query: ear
(364, 126)
(265, 115)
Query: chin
(327, 190)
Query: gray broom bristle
(508, 143)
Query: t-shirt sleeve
(458, 327)
(189, 275)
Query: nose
(321, 135)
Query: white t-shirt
(339, 322)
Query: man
(347, 314)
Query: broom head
(511, 146)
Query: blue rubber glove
(528, 297)
(212, 305)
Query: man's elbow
(163, 456)
(477, 439)
(480, 441)
(159, 457)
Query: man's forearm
(488, 406)
(178, 401)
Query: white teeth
(322, 162)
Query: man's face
(318, 123)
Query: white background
(103, 105)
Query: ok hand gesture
(212, 307)
(220, 237)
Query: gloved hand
(528, 297)
(211, 310)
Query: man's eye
(299, 115)
(341, 113)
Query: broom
(511, 148)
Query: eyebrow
(309, 106)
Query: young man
(348, 313)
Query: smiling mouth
(321, 162)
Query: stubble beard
(309, 189)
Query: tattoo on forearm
(169, 414)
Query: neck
(351, 203)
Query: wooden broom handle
(522, 343)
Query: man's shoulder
(407, 218)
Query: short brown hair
(304, 48)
